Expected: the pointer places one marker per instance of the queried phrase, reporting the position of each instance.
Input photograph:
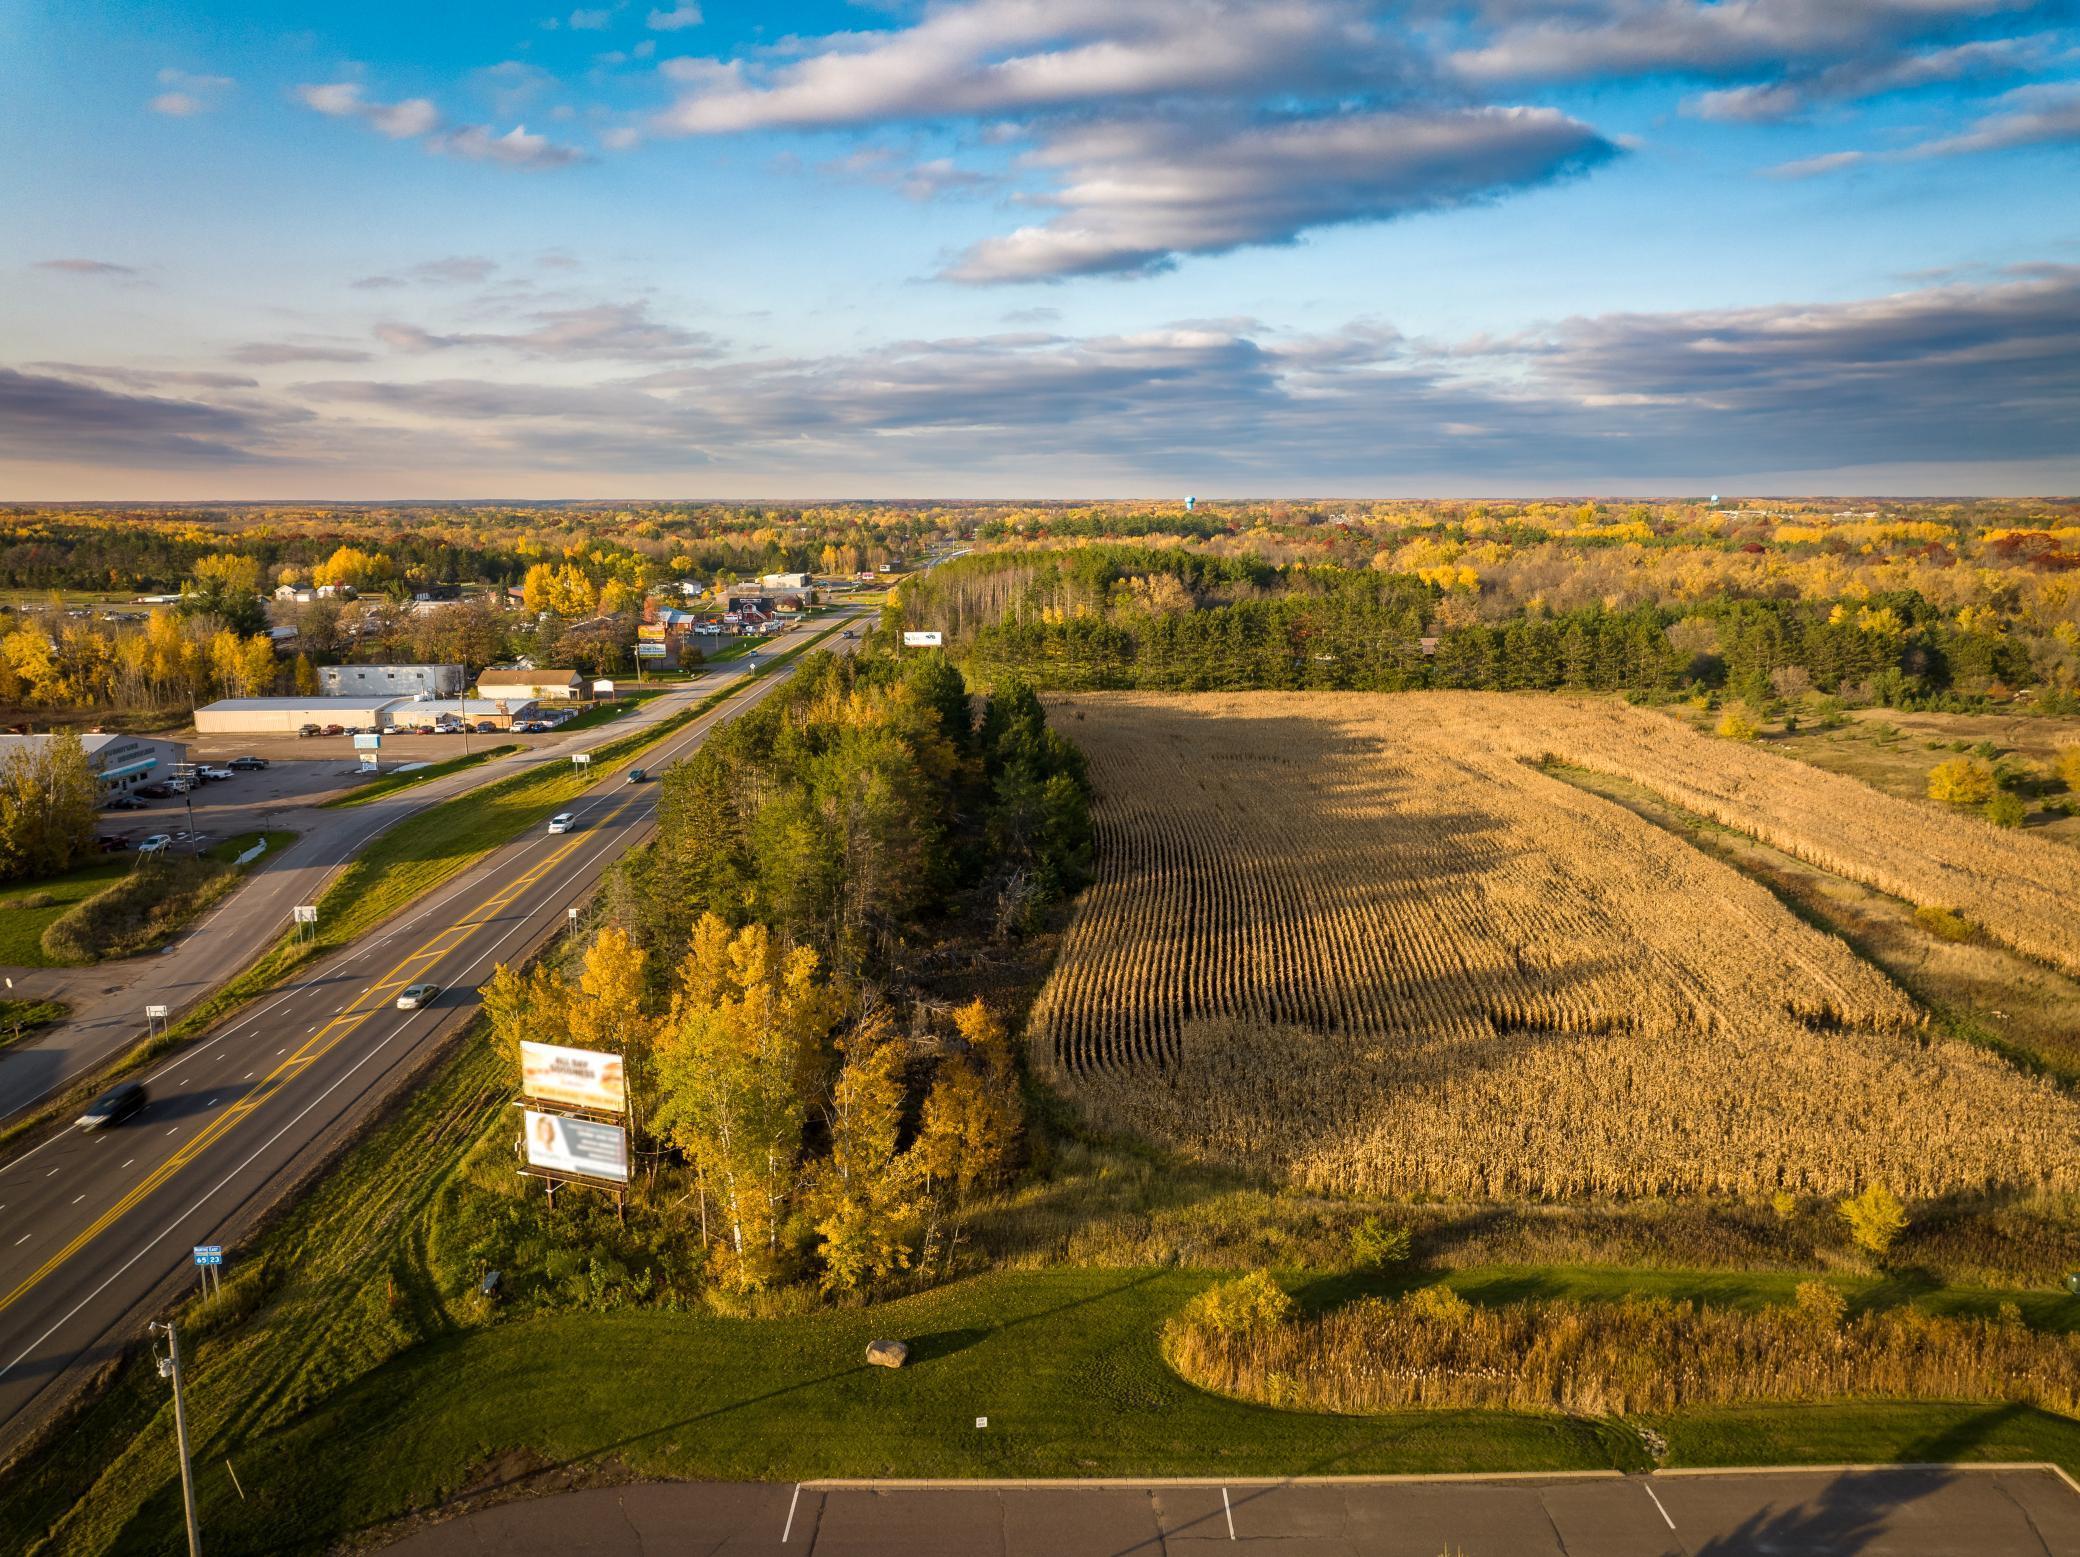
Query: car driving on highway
(114, 1106)
(417, 995)
(564, 822)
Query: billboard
(652, 651)
(651, 632)
(577, 1146)
(576, 1078)
(923, 640)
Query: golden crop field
(1364, 940)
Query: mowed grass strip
(391, 783)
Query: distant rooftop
(315, 703)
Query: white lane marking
(788, 1528)
(176, 1130)
(128, 1160)
(212, 1103)
(1658, 1508)
(248, 1076)
(54, 1170)
(23, 1239)
(1225, 1509)
(76, 1199)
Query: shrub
(2005, 810)
(2067, 763)
(1820, 1303)
(1739, 723)
(1962, 781)
(1945, 923)
(1438, 1304)
(1375, 1244)
(1784, 1204)
(1875, 1218)
(137, 911)
(1243, 1307)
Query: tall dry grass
(1363, 940)
(1636, 1355)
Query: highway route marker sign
(209, 1254)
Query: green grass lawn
(21, 1020)
(391, 783)
(22, 927)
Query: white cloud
(591, 21)
(624, 331)
(400, 121)
(514, 149)
(1814, 167)
(189, 94)
(1137, 194)
(90, 267)
(679, 16)
(1009, 56)
(2043, 115)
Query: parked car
(563, 822)
(122, 803)
(180, 786)
(486, 727)
(158, 843)
(213, 775)
(154, 791)
(309, 729)
(335, 729)
(109, 843)
(247, 764)
(114, 1106)
(417, 995)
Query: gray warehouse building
(394, 680)
(287, 715)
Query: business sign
(368, 743)
(651, 632)
(209, 1254)
(576, 1078)
(923, 640)
(577, 1146)
(652, 651)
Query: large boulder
(887, 1354)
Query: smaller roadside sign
(923, 640)
(209, 1254)
(155, 1013)
(306, 913)
(582, 759)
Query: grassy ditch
(391, 783)
(349, 1374)
(28, 908)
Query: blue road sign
(209, 1254)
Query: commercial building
(504, 712)
(119, 761)
(287, 715)
(547, 686)
(395, 680)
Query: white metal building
(502, 711)
(287, 715)
(119, 761)
(396, 680)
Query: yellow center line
(318, 1045)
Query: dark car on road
(113, 1106)
(247, 764)
(154, 791)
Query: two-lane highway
(95, 1230)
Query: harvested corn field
(1365, 941)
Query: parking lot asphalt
(1934, 1511)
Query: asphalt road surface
(108, 1001)
(96, 1230)
(1909, 1512)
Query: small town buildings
(120, 762)
(395, 680)
(502, 713)
(547, 686)
(287, 715)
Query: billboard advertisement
(652, 651)
(923, 640)
(577, 1146)
(651, 632)
(576, 1078)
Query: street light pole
(170, 1368)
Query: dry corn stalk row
(1364, 940)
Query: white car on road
(417, 995)
(158, 843)
(563, 822)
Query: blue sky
(1038, 247)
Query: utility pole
(170, 1368)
